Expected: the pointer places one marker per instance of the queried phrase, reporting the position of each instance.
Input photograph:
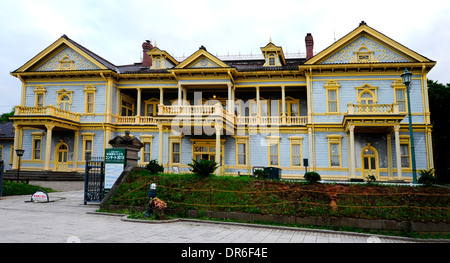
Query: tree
(5, 116)
(439, 101)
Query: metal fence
(94, 179)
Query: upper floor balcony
(47, 111)
(187, 112)
(372, 117)
(373, 109)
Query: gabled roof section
(156, 52)
(66, 54)
(201, 59)
(271, 48)
(366, 45)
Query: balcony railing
(49, 110)
(369, 109)
(136, 120)
(181, 111)
(196, 110)
(271, 120)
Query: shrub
(312, 177)
(427, 177)
(261, 174)
(371, 178)
(204, 167)
(154, 167)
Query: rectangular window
(88, 147)
(1, 152)
(291, 107)
(37, 149)
(39, 99)
(404, 154)
(147, 151)
(127, 105)
(334, 147)
(176, 151)
(242, 153)
(88, 144)
(271, 60)
(332, 100)
(264, 105)
(273, 154)
(335, 154)
(90, 102)
(296, 154)
(400, 98)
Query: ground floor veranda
(355, 151)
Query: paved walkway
(66, 219)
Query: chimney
(309, 46)
(146, 59)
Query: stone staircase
(43, 175)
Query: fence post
(86, 172)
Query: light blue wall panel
(348, 93)
(6, 154)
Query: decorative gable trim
(201, 58)
(54, 50)
(347, 54)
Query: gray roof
(6, 130)
(240, 65)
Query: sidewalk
(66, 219)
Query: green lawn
(21, 188)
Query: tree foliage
(439, 101)
(5, 116)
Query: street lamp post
(19, 153)
(406, 76)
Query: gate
(94, 179)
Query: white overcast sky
(115, 30)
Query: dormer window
(274, 56)
(161, 59)
(158, 62)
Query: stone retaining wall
(375, 224)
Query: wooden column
(138, 102)
(352, 165)
(397, 151)
(218, 128)
(160, 144)
(48, 146)
(75, 150)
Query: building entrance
(369, 160)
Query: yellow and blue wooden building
(343, 108)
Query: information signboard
(115, 160)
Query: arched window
(64, 103)
(366, 98)
(64, 99)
